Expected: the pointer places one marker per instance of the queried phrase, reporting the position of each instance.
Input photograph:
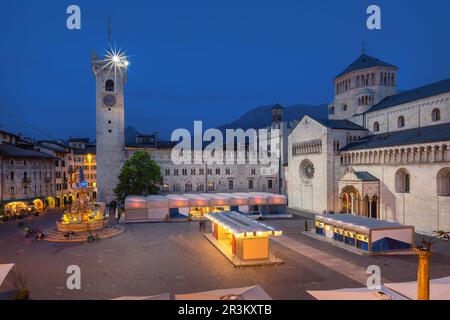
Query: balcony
(47, 179)
(26, 180)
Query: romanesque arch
(350, 200)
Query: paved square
(176, 258)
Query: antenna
(109, 30)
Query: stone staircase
(106, 233)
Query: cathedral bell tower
(110, 77)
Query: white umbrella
(439, 289)
(357, 294)
(247, 293)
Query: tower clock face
(109, 100)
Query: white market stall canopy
(204, 200)
(355, 294)
(439, 289)
(10, 284)
(240, 225)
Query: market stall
(365, 233)
(244, 238)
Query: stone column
(353, 204)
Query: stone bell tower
(110, 77)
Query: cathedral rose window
(307, 169)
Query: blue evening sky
(208, 60)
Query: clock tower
(110, 77)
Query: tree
(140, 175)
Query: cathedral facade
(380, 154)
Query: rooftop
(238, 223)
(339, 124)
(8, 150)
(404, 137)
(365, 176)
(365, 62)
(359, 221)
(87, 150)
(429, 90)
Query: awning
(178, 201)
(357, 294)
(197, 200)
(164, 296)
(439, 289)
(235, 199)
(240, 225)
(216, 200)
(255, 293)
(157, 202)
(10, 283)
(135, 202)
(204, 200)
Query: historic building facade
(27, 178)
(380, 153)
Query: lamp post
(423, 274)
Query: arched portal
(51, 202)
(38, 204)
(350, 200)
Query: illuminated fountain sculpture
(84, 214)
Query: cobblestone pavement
(175, 257)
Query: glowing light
(115, 60)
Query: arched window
(12, 191)
(402, 181)
(109, 85)
(443, 182)
(376, 127)
(344, 107)
(436, 115)
(401, 122)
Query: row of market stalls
(164, 207)
(366, 234)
